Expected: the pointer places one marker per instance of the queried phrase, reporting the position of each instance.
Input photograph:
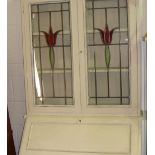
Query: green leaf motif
(107, 56)
(52, 57)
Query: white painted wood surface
(81, 135)
(74, 133)
(133, 108)
(80, 79)
(143, 94)
(29, 79)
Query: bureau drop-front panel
(81, 135)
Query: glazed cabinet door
(81, 56)
(50, 43)
(108, 59)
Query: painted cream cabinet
(81, 77)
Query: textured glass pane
(37, 58)
(51, 41)
(125, 84)
(106, 101)
(114, 83)
(49, 7)
(34, 22)
(105, 3)
(54, 101)
(123, 3)
(107, 52)
(124, 56)
(112, 17)
(101, 85)
(123, 18)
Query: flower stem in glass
(107, 61)
(52, 63)
(95, 78)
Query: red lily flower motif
(51, 37)
(106, 35)
(51, 41)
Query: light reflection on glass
(37, 81)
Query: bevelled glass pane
(107, 52)
(52, 53)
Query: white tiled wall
(16, 90)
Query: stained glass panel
(52, 53)
(108, 52)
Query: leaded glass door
(110, 56)
(108, 52)
(50, 53)
(81, 56)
